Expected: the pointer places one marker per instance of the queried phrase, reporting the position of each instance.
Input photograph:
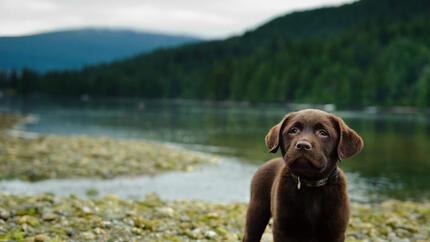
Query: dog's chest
(303, 210)
(311, 207)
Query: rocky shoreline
(45, 217)
(56, 156)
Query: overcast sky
(204, 18)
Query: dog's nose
(303, 145)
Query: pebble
(4, 214)
(210, 234)
(70, 233)
(106, 224)
(41, 238)
(27, 219)
(88, 236)
(86, 210)
(49, 216)
(166, 211)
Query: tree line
(371, 64)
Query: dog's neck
(331, 179)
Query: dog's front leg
(257, 217)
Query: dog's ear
(274, 135)
(350, 143)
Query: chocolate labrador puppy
(304, 191)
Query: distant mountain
(76, 48)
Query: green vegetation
(55, 156)
(48, 218)
(365, 53)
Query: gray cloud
(210, 19)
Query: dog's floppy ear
(350, 143)
(274, 135)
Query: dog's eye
(323, 132)
(293, 130)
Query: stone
(70, 232)
(49, 216)
(88, 236)
(210, 234)
(4, 214)
(41, 238)
(166, 211)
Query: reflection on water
(394, 163)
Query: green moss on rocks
(46, 217)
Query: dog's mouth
(306, 164)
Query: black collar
(332, 178)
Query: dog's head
(312, 141)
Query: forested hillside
(372, 52)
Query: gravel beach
(39, 157)
(45, 217)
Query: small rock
(49, 216)
(88, 236)
(27, 228)
(392, 236)
(86, 209)
(196, 232)
(144, 223)
(41, 238)
(99, 231)
(28, 220)
(420, 236)
(210, 234)
(70, 233)
(4, 214)
(106, 224)
(184, 218)
(111, 196)
(166, 211)
(402, 232)
(212, 215)
(136, 230)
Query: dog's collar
(316, 183)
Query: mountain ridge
(73, 49)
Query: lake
(393, 164)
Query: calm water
(395, 162)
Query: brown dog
(303, 191)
